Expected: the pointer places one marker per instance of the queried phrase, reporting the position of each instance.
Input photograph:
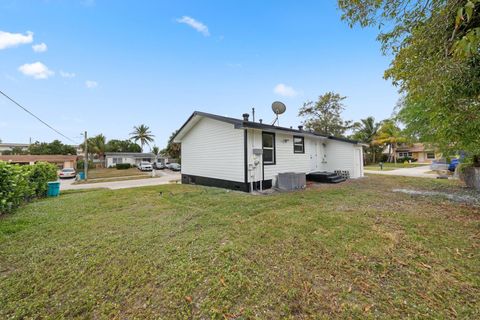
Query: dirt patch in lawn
(467, 197)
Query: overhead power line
(33, 115)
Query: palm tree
(365, 131)
(390, 135)
(97, 145)
(143, 134)
(155, 150)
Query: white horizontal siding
(214, 149)
(341, 156)
(286, 159)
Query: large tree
(436, 65)
(390, 136)
(324, 115)
(54, 147)
(172, 150)
(365, 131)
(143, 134)
(115, 145)
(97, 145)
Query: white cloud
(90, 84)
(36, 70)
(65, 74)
(197, 25)
(284, 90)
(8, 40)
(41, 47)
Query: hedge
(19, 184)
(123, 166)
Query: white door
(313, 155)
(358, 163)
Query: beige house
(419, 151)
(10, 146)
(61, 161)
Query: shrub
(80, 165)
(19, 184)
(406, 160)
(123, 166)
(39, 175)
(384, 158)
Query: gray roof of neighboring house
(238, 123)
(130, 154)
(12, 145)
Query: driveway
(162, 177)
(407, 172)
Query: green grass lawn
(353, 250)
(387, 166)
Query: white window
(298, 145)
(116, 160)
(268, 146)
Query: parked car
(145, 166)
(453, 164)
(67, 173)
(174, 166)
(439, 165)
(157, 165)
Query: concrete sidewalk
(162, 178)
(407, 172)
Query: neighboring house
(61, 161)
(419, 151)
(11, 146)
(238, 154)
(134, 158)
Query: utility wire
(30, 113)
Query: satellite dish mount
(278, 108)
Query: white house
(239, 154)
(133, 158)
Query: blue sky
(105, 66)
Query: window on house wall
(116, 160)
(298, 145)
(405, 154)
(430, 155)
(268, 146)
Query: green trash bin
(53, 189)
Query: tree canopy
(324, 115)
(54, 147)
(366, 131)
(436, 64)
(115, 145)
(173, 150)
(143, 134)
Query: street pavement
(407, 172)
(162, 177)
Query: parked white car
(67, 173)
(174, 166)
(145, 166)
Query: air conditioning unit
(291, 181)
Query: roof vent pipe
(300, 128)
(245, 116)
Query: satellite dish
(278, 107)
